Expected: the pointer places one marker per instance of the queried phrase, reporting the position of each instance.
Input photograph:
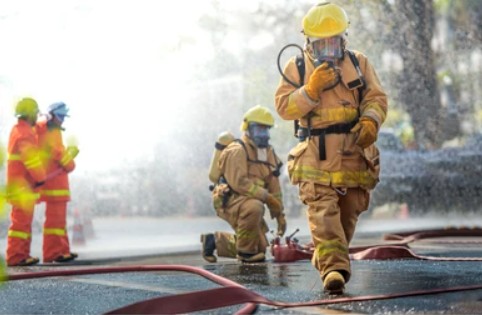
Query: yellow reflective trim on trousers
(14, 157)
(259, 182)
(252, 190)
(246, 234)
(56, 193)
(218, 202)
(292, 109)
(24, 196)
(350, 178)
(19, 234)
(58, 232)
(232, 246)
(33, 162)
(329, 247)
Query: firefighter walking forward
(339, 106)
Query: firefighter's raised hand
(281, 220)
(324, 77)
(274, 205)
(366, 130)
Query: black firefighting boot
(67, 257)
(30, 261)
(209, 245)
(334, 283)
(251, 258)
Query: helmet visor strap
(330, 48)
(259, 134)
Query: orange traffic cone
(88, 224)
(404, 212)
(78, 237)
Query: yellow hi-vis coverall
(336, 188)
(250, 181)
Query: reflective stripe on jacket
(247, 178)
(24, 166)
(345, 164)
(54, 156)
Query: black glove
(38, 184)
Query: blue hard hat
(58, 109)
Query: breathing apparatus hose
(279, 65)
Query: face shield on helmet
(259, 133)
(329, 49)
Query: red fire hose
(232, 293)
(396, 249)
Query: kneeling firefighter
(246, 178)
(339, 106)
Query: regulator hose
(279, 65)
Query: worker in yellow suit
(59, 161)
(339, 106)
(247, 179)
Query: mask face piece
(60, 118)
(328, 48)
(259, 134)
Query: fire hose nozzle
(288, 238)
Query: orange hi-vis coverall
(24, 170)
(55, 192)
(250, 181)
(335, 187)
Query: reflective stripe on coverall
(55, 192)
(250, 183)
(24, 169)
(332, 215)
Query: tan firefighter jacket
(246, 176)
(346, 164)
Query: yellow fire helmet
(257, 114)
(26, 107)
(325, 20)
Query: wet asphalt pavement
(288, 282)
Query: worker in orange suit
(59, 161)
(3, 271)
(25, 173)
(339, 104)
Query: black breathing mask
(259, 134)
